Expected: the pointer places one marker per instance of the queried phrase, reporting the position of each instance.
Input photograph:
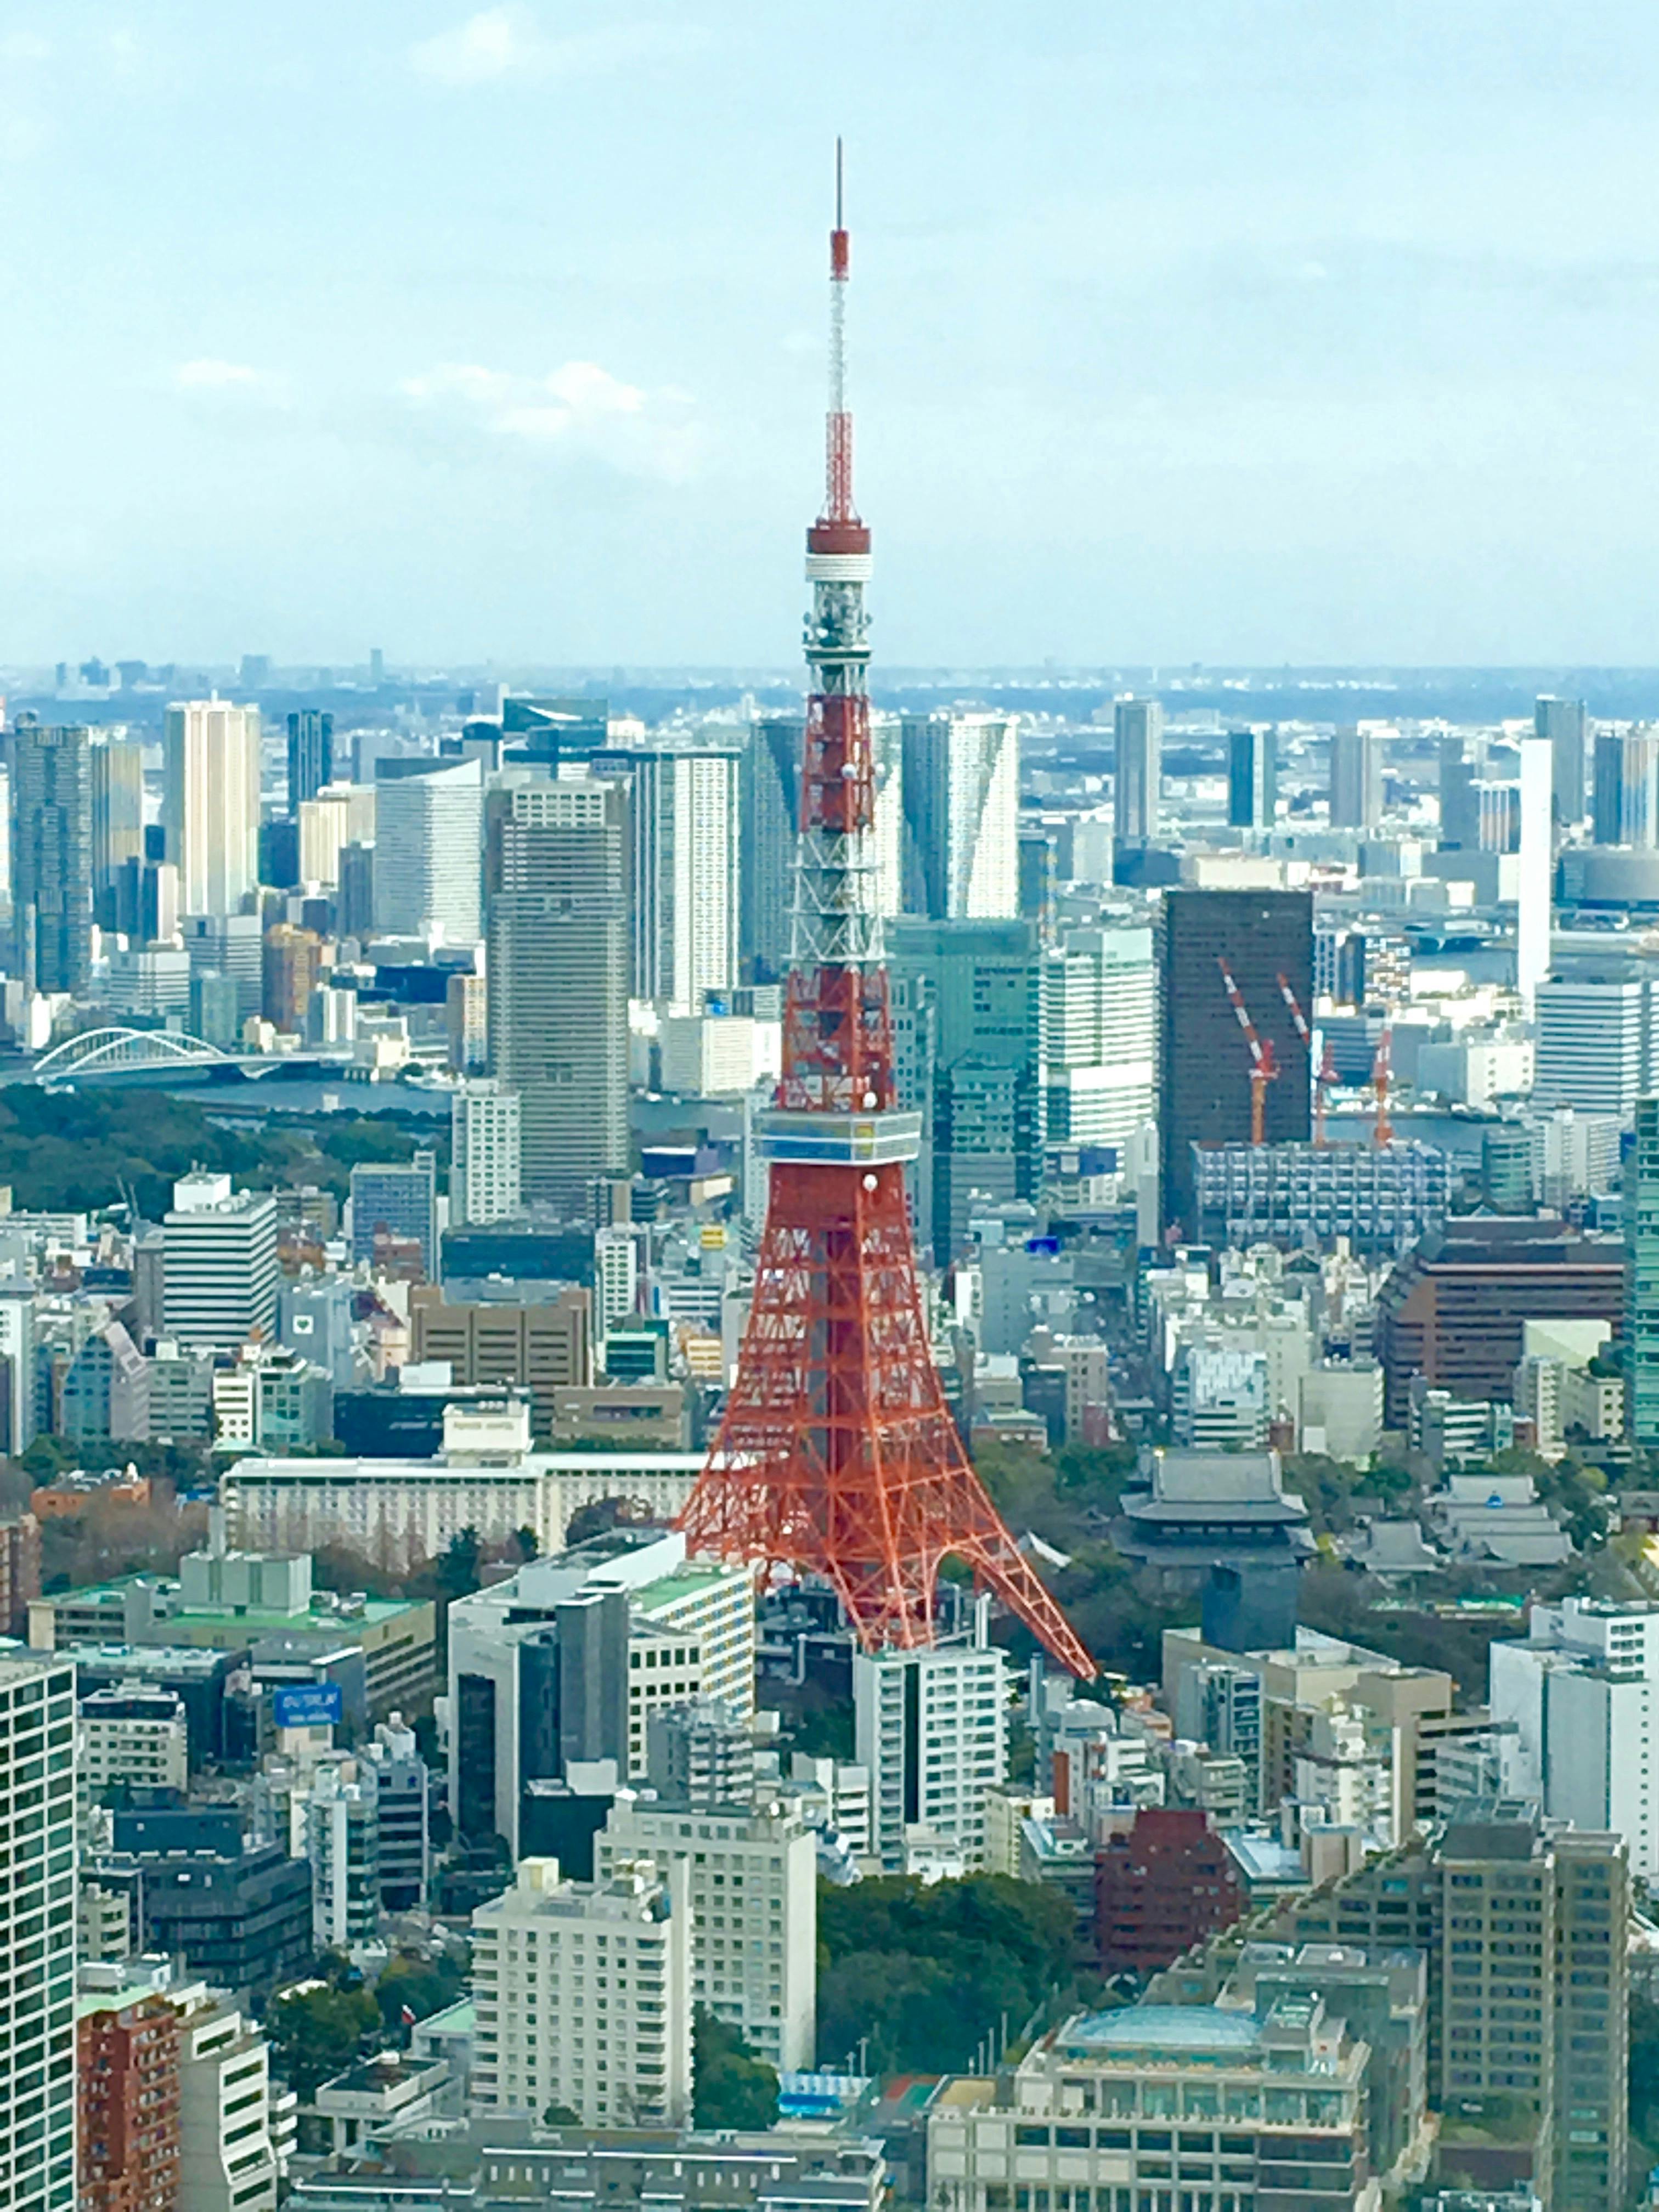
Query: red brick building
(127, 2067)
(1455, 1309)
(1160, 1887)
(20, 1573)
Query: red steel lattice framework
(838, 1456)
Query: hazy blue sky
(1267, 330)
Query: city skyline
(1196, 339)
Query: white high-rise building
(686, 815)
(341, 814)
(132, 1733)
(1572, 1154)
(219, 1263)
(1595, 1044)
(17, 1366)
(1099, 1018)
(1537, 871)
(583, 1995)
(1581, 1694)
(753, 1880)
(36, 1934)
(429, 853)
(484, 1152)
(960, 793)
(342, 1815)
(236, 2127)
(615, 1277)
(211, 804)
(931, 1729)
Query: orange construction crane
(1264, 1069)
(1326, 1074)
(1382, 1069)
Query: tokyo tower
(838, 1456)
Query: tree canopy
(316, 2033)
(81, 1149)
(921, 1970)
(731, 2087)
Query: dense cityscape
(778, 1443)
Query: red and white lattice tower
(837, 1455)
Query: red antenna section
(837, 1455)
(838, 529)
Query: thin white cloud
(213, 375)
(213, 380)
(510, 41)
(579, 408)
(24, 46)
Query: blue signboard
(308, 1705)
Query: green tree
(922, 1972)
(458, 1567)
(317, 2032)
(423, 1985)
(561, 2116)
(731, 2087)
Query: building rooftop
(1172, 2028)
(328, 1609)
(1204, 1486)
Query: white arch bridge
(95, 1050)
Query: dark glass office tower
(1562, 721)
(556, 877)
(51, 855)
(1252, 778)
(310, 754)
(1203, 1060)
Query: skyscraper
(1356, 779)
(37, 1933)
(1138, 775)
(52, 856)
(771, 806)
(210, 803)
(118, 815)
(219, 1263)
(1562, 721)
(1595, 1040)
(1536, 872)
(556, 877)
(1100, 1036)
(310, 754)
(1252, 778)
(483, 1154)
(1462, 761)
(428, 847)
(684, 812)
(967, 1033)
(291, 960)
(1204, 1061)
(1626, 806)
(960, 816)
